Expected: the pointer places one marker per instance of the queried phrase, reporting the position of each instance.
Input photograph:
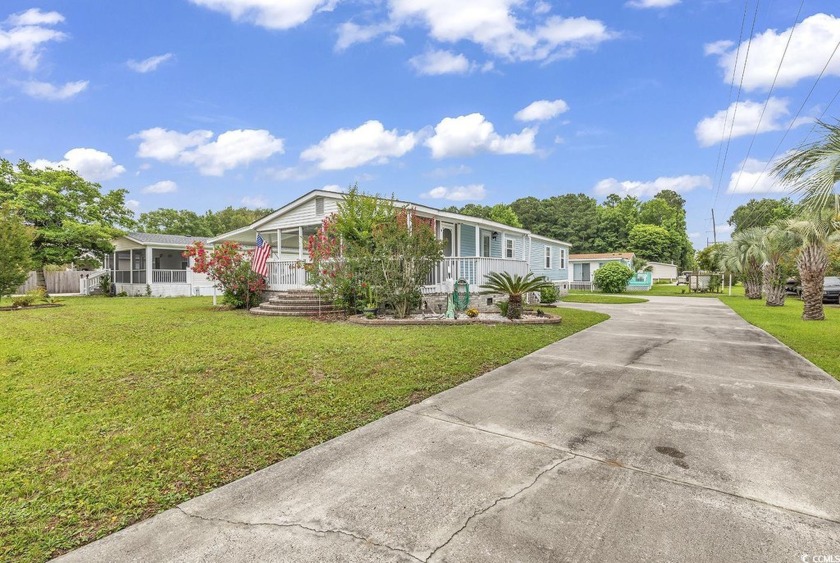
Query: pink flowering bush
(229, 265)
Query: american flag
(261, 254)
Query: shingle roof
(153, 238)
(604, 256)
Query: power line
(729, 96)
(795, 117)
(767, 101)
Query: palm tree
(777, 245)
(640, 264)
(815, 231)
(814, 169)
(743, 256)
(515, 286)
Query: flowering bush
(229, 265)
(372, 252)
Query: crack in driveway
(301, 526)
(489, 507)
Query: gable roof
(154, 238)
(603, 256)
(255, 226)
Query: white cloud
(643, 4)
(743, 120)
(150, 64)
(680, 184)
(162, 187)
(469, 134)
(394, 40)
(23, 35)
(472, 192)
(542, 110)
(440, 62)
(231, 149)
(255, 202)
(756, 178)
(47, 91)
(717, 47)
(350, 33)
(90, 164)
(333, 188)
(132, 204)
(813, 42)
(271, 14)
(368, 143)
(34, 16)
(500, 29)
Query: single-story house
(584, 266)
(663, 271)
(473, 247)
(141, 259)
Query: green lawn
(668, 290)
(604, 298)
(816, 340)
(112, 410)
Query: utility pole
(714, 226)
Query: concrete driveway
(674, 431)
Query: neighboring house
(473, 247)
(141, 259)
(584, 266)
(663, 271)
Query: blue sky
(201, 104)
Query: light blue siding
(467, 240)
(537, 261)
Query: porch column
(278, 249)
(149, 265)
(504, 246)
(300, 243)
(477, 240)
(131, 265)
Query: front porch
(284, 275)
(148, 266)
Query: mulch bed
(484, 319)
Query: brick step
(286, 307)
(270, 313)
(285, 300)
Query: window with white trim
(547, 257)
(508, 248)
(319, 206)
(562, 258)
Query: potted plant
(371, 306)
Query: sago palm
(816, 231)
(777, 245)
(813, 170)
(515, 286)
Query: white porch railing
(474, 270)
(169, 276)
(286, 274)
(89, 282)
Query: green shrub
(503, 307)
(662, 282)
(612, 277)
(23, 301)
(549, 295)
(105, 285)
(37, 294)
